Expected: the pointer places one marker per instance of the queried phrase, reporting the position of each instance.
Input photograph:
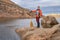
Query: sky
(34, 3)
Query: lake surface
(7, 28)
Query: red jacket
(40, 11)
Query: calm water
(7, 29)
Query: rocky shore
(50, 30)
(40, 33)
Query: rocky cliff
(11, 10)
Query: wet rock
(37, 33)
(48, 21)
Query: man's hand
(30, 11)
(42, 16)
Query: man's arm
(33, 11)
(41, 15)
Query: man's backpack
(37, 13)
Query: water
(18, 23)
(7, 29)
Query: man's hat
(38, 7)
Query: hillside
(11, 10)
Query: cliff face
(10, 9)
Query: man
(38, 15)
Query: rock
(56, 35)
(37, 33)
(22, 31)
(31, 25)
(48, 21)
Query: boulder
(48, 21)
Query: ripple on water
(8, 34)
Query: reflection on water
(18, 23)
(8, 34)
(7, 28)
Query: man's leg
(38, 24)
(37, 20)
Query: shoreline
(22, 17)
